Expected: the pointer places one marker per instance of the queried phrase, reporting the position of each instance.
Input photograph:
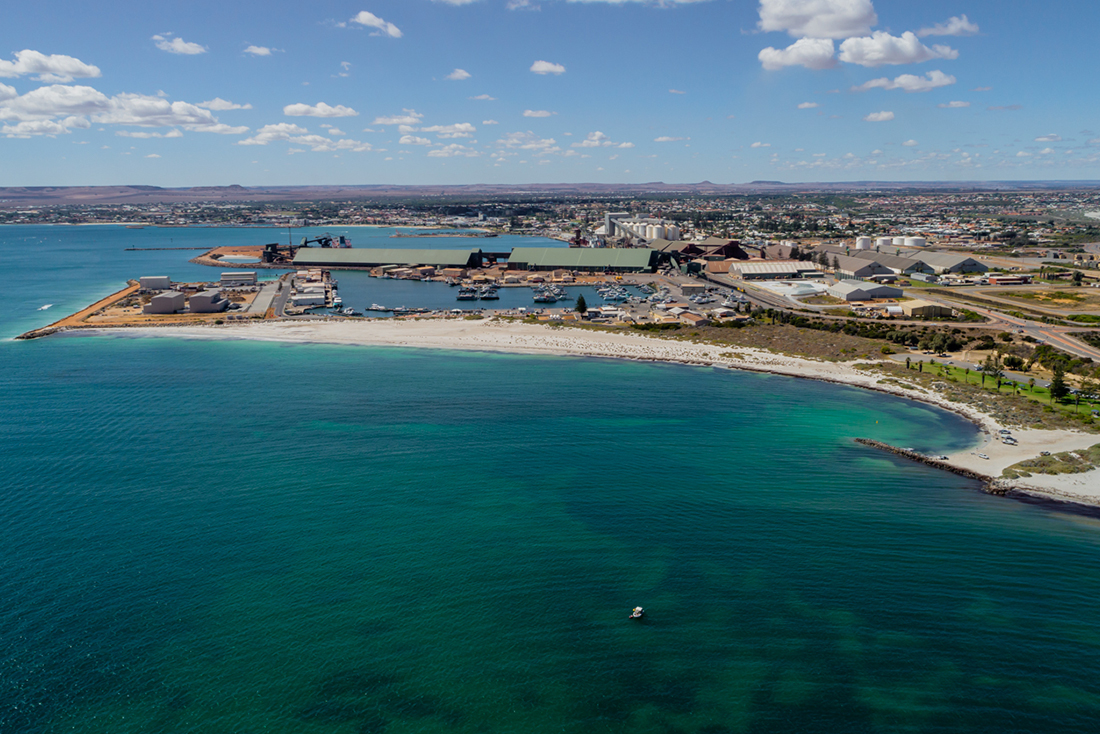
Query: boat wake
(47, 306)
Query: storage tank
(863, 243)
(672, 232)
(884, 242)
(659, 231)
(916, 242)
(899, 241)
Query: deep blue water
(246, 537)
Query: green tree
(581, 306)
(1078, 277)
(993, 369)
(1058, 387)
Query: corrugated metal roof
(764, 267)
(368, 257)
(583, 258)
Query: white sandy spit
(525, 338)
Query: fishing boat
(376, 307)
(637, 613)
(467, 294)
(488, 294)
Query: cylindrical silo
(884, 242)
(672, 232)
(899, 241)
(915, 242)
(863, 243)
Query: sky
(547, 91)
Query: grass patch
(1067, 462)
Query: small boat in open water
(637, 613)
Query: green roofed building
(595, 259)
(368, 258)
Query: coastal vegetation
(1067, 462)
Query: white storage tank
(916, 242)
(672, 232)
(899, 241)
(884, 242)
(863, 243)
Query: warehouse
(210, 301)
(858, 290)
(897, 264)
(854, 267)
(771, 269)
(945, 262)
(155, 282)
(598, 260)
(924, 310)
(368, 258)
(165, 303)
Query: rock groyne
(989, 484)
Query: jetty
(989, 484)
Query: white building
(239, 278)
(208, 302)
(165, 303)
(155, 282)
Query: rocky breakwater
(989, 484)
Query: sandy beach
(526, 338)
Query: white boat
(46, 307)
(376, 307)
(337, 302)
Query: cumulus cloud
(458, 75)
(219, 128)
(370, 20)
(1023, 154)
(147, 135)
(413, 140)
(758, 144)
(956, 26)
(258, 50)
(51, 128)
(956, 105)
(7, 92)
(599, 140)
(668, 139)
(177, 45)
(220, 105)
(318, 110)
(453, 150)
(813, 53)
(298, 135)
(537, 113)
(910, 143)
(546, 67)
(879, 117)
(458, 130)
(1052, 138)
(909, 82)
(881, 48)
(818, 18)
(1005, 108)
(489, 122)
(411, 117)
(1046, 151)
(808, 105)
(152, 155)
(529, 141)
(53, 68)
(484, 98)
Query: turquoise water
(247, 537)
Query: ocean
(238, 536)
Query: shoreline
(491, 335)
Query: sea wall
(989, 484)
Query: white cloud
(956, 105)
(1052, 138)
(818, 18)
(258, 50)
(813, 53)
(808, 105)
(458, 130)
(295, 134)
(1023, 154)
(453, 150)
(484, 98)
(600, 140)
(956, 26)
(458, 75)
(881, 48)
(178, 46)
(546, 67)
(909, 82)
(53, 68)
(146, 135)
(411, 117)
(879, 117)
(219, 128)
(908, 144)
(336, 131)
(529, 141)
(489, 122)
(538, 113)
(1046, 151)
(220, 105)
(318, 110)
(30, 128)
(676, 91)
(7, 92)
(413, 140)
(758, 144)
(370, 20)
(668, 139)
(152, 155)
(455, 2)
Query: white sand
(526, 338)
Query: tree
(1078, 277)
(1058, 387)
(993, 369)
(1031, 384)
(581, 306)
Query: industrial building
(238, 279)
(945, 262)
(896, 263)
(166, 303)
(771, 269)
(155, 282)
(855, 267)
(924, 310)
(599, 260)
(211, 301)
(370, 258)
(858, 290)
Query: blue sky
(543, 91)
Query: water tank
(899, 241)
(915, 242)
(672, 232)
(863, 243)
(884, 242)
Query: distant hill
(23, 196)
